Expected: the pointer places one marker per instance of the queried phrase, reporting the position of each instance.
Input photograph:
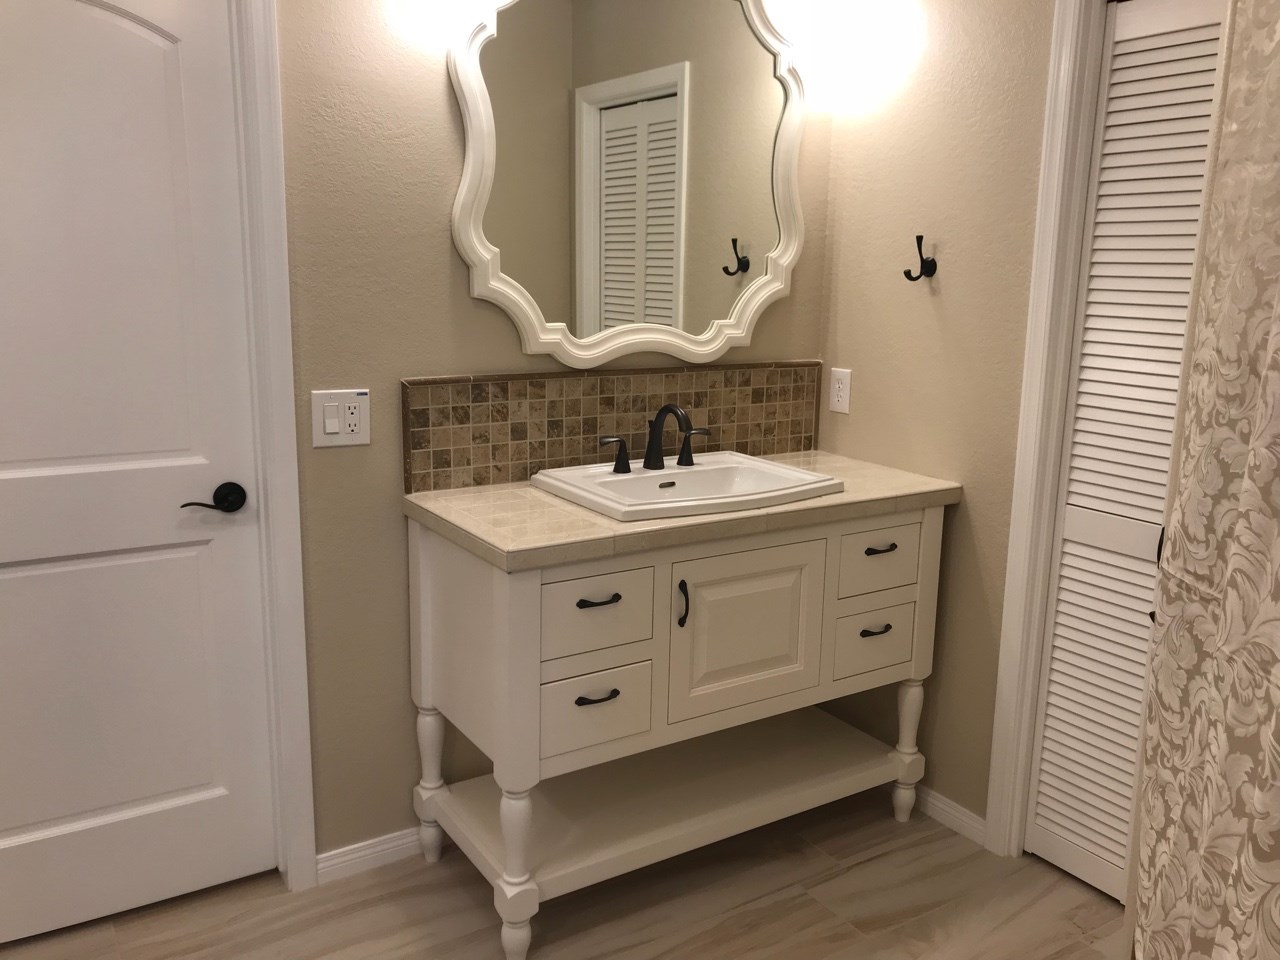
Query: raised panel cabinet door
(745, 627)
(134, 747)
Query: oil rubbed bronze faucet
(653, 451)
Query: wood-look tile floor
(843, 881)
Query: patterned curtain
(1208, 884)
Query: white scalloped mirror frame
(488, 282)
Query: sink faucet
(653, 452)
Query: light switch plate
(352, 418)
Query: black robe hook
(928, 265)
(744, 263)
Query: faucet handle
(622, 462)
(686, 448)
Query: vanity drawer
(879, 559)
(579, 616)
(624, 706)
(863, 644)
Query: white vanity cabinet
(646, 690)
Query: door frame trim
(256, 73)
(1075, 54)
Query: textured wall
(373, 152)
(735, 105)
(528, 68)
(937, 366)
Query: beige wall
(937, 366)
(735, 104)
(528, 68)
(547, 48)
(373, 152)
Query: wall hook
(928, 265)
(744, 263)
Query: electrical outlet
(339, 418)
(839, 402)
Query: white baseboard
(950, 814)
(359, 857)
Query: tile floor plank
(844, 882)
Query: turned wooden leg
(515, 895)
(516, 815)
(910, 704)
(516, 938)
(431, 748)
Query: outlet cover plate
(840, 379)
(353, 430)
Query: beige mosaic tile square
(475, 431)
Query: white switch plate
(353, 418)
(840, 390)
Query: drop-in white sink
(716, 483)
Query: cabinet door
(751, 627)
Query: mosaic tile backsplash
(475, 431)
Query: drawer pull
(877, 551)
(684, 591)
(588, 604)
(876, 633)
(614, 694)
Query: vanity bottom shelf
(610, 819)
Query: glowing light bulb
(855, 56)
(433, 26)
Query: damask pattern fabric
(1209, 805)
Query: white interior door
(1150, 159)
(134, 748)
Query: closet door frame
(1075, 73)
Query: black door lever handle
(227, 498)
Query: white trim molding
(950, 814)
(359, 857)
(1074, 75)
(488, 282)
(257, 77)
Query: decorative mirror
(630, 181)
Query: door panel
(134, 692)
(753, 631)
(1151, 152)
(133, 674)
(95, 172)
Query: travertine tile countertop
(517, 527)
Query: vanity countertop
(515, 526)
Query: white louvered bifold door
(1150, 159)
(640, 194)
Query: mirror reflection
(635, 142)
